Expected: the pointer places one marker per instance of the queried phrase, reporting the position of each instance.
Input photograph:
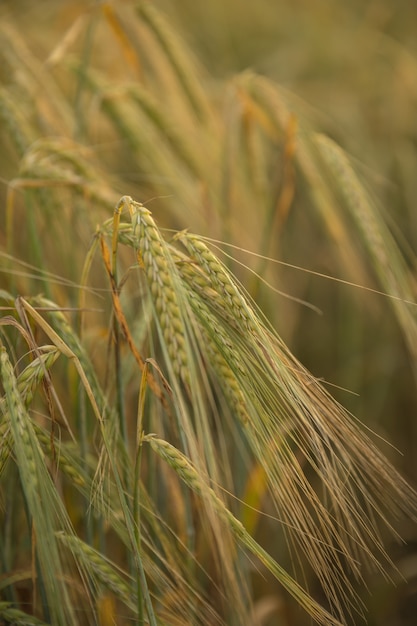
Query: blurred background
(209, 113)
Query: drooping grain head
(161, 275)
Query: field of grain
(208, 322)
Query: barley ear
(160, 274)
(189, 475)
(40, 495)
(220, 279)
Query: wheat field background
(208, 328)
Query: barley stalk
(283, 407)
(295, 414)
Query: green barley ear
(274, 109)
(222, 358)
(15, 123)
(61, 325)
(160, 274)
(33, 373)
(381, 247)
(44, 508)
(166, 128)
(14, 616)
(178, 57)
(34, 82)
(220, 280)
(104, 571)
(27, 382)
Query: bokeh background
(72, 123)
